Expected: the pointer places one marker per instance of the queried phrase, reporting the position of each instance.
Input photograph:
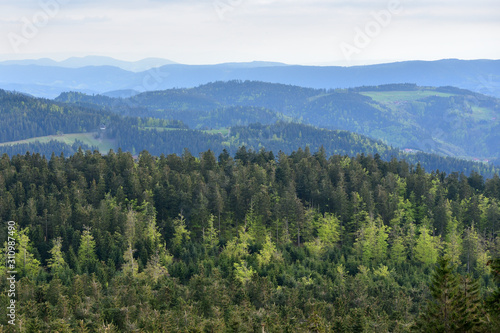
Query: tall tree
(427, 247)
(56, 262)
(26, 262)
(86, 252)
(442, 311)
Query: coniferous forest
(248, 242)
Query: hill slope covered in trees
(445, 120)
(28, 117)
(248, 243)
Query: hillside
(445, 120)
(26, 117)
(246, 243)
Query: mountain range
(100, 75)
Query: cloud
(297, 31)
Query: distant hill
(445, 120)
(481, 76)
(126, 93)
(24, 117)
(78, 62)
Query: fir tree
(441, 313)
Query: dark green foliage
(45, 148)
(493, 301)
(456, 304)
(241, 242)
(25, 117)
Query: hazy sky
(345, 32)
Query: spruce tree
(470, 306)
(493, 301)
(441, 313)
(455, 305)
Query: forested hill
(445, 120)
(301, 243)
(49, 79)
(28, 117)
(24, 117)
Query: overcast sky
(339, 32)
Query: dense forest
(251, 242)
(46, 149)
(444, 120)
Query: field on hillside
(104, 145)
(402, 96)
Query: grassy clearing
(402, 96)
(87, 138)
(160, 129)
(481, 113)
(223, 131)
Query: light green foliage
(130, 226)
(268, 253)
(253, 224)
(363, 272)
(484, 204)
(404, 213)
(25, 260)
(453, 245)
(398, 251)
(151, 229)
(482, 263)
(342, 271)
(155, 269)
(315, 247)
(56, 261)
(382, 271)
(238, 247)
(130, 265)
(372, 241)
(329, 229)
(242, 272)
(181, 233)
(86, 252)
(210, 234)
(427, 247)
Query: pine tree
(455, 306)
(210, 235)
(329, 230)
(181, 234)
(86, 252)
(470, 306)
(130, 266)
(493, 301)
(398, 251)
(268, 252)
(442, 312)
(56, 262)
(427, 247)
(453, 245)
(25, 260)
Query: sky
(306, 32)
